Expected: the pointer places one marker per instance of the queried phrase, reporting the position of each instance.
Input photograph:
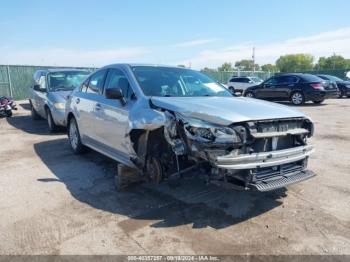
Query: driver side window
(117, 79)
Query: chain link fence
(15, 80)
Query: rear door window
(288, 80)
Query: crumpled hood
(225, 110)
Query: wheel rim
(250, 95)
(73, 135)
(297, 98)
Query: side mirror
(115, 93)
(36, 87)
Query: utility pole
(253, 57)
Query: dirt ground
(53, 202)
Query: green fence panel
(16, 80)
(341, 73)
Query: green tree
(246, 64)
(208, 70)
(295, 62)
(225, 67)
(332, 62)
(269, 68)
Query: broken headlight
(216, 134)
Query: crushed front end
(259, 155)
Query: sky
(200, 33)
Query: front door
(112, 116)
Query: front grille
(265, 134)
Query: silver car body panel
(225, 110)
(264, 159)
(106, 125)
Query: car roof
(140, 64)
(53, 70)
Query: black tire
(297, 98)
(249, 94)
(232, 89)
(318, 102)
(154, 170)
(74, 137)
(34, 114)
(341, 94)
(50, 123)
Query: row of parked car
(297, 88)
(163, 121)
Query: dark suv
(343, 86)
(295, 87)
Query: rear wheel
(297, 98)
(249, 94)
(74, 137)
(51, 124)
(341, 93)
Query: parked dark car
(343, 85)
(294, 87)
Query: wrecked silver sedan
(162, 122)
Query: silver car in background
(50, 91)
(164, 121)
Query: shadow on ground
(89, 178)
(307, 104)
(25, 106)
(28, 125)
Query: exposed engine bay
(261, 155)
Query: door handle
(98, 106)
(77, 100)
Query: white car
(240, 84)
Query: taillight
(317, 86)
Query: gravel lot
(52, 202)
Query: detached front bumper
(264, 159)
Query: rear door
(86, 102)
(285, 85)
(112, 117)
(266, 91)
